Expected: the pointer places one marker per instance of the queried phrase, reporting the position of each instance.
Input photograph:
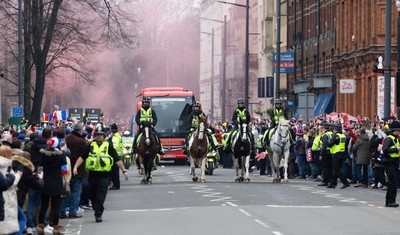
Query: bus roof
(166, 91)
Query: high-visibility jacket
(145, 115)
(330, 135)
(341, 146)
(98, 158)
(116, 139)
(317, 143)
(396, 144)
(241, 115)
(278, 115)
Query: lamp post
(20, 78)
(247, 53)
(212, 72)
(387, 68)
(398, 60)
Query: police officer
(99, 158)
(391, 154)
(117, 144)
(127, 142)
(241, 115)
(326, 156)
(338, 151)
(146, 114)
(277, 113)
(193, 122)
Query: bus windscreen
(172, 114)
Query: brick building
(340, 41)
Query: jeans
(313, 169)
(72, 201)
(301, 161)
(33, 203)
(364, 177)
(21, 221)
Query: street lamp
(247, 53)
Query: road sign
(17, 111)
(286, 62)
(76, 113)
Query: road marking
(245, 212)
(371, 205)
(261, 223)
(208, 193)
(231, 204)
(293, 206)
(277, 233)
(159, 209)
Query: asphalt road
(174, 204)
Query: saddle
(139, 138)
(195, 133)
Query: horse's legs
(144, 170)
(150, 165)
(285, 165)
(273, 167)
(236, 164)
(246, 163)
(203, 169)
(192, 169)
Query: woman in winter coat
(362, 147)
(52, 159)
(10, 223)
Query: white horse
(241, 152)
(279, 147)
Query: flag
(55, 117)
(45, 117)
(64, 115)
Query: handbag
(309, 155)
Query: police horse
(241, 149)
(147, 152)
(198, 148)
(279, 146)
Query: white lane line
(160, 209)
(293, 206)
(245, 212)
(261, 223)
(231, 204)
(277, 233)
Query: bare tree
(58, 36)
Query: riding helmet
(240, 101)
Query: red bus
(173, 106)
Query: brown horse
(147, 151)
(198, 148)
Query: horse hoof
(142, 181)
(247, 180)
(236, 180)
(195, 179)
(286, 180)
(279, 180)
(202, 180)
(274, 180)
(241, 179)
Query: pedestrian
(390, 148)
(53, 188)
(77, 145)
(362, 147)
(8, 200)
(99, 157)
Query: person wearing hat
(326, 155)
(277, 113)
(146, 114)
(300, 151)
(391, 155)
(338, 150)
(116, 140)
(241, 115)
(99, 158)
(193, 122)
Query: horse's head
(147, 129)
(283, 130)
(201, 127)
(243, 131)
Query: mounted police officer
(117, 144)
(99, 158)
(146, 114)
(241, 115)
(326, 156)
(391, 155)
(193, 122)
(277, 113)
(338, 150)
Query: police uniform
(116, 140)
(338, 151)
(241, 115)
(99, 160)
(391, 164)
(326, 156)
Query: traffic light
(378, 68)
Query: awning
(323, 104)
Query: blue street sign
(286, 63)
(17, 111)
